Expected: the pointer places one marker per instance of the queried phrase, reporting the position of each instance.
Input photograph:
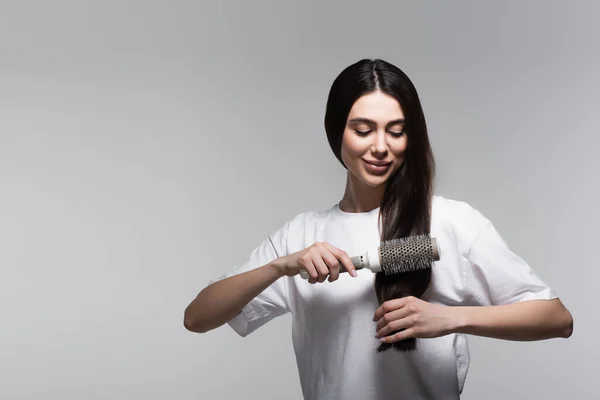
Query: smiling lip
(376, 170)
(378, 163)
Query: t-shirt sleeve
(271, 302)
(496, 275)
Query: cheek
(400, 147)
(352, 146)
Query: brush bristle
(407, 254)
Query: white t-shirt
(333, 329)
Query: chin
(374, 180)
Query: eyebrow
(371, 122)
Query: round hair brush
(396, 256)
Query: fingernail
(354, 274)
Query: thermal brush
(396, 256)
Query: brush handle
(356, 261)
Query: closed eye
(364, 133)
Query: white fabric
(333, 331)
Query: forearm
(522, 321)
(222, 300)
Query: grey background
(148, 146)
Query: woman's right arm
(222, 300)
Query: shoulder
(457, 218)
(307, 220)
(451, 210)
(310, 218)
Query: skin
(378, 116)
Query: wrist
(276, 268)
(460, 319)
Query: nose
(379, 145)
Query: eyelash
(365, 133)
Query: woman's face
(374, 133)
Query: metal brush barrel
(408, 254)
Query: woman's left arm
(526, 320)
(523, 321)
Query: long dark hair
(405, 208)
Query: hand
(414, 318)
(320, 260)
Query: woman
(376, 128)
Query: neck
(360, 197)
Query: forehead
(377, 106)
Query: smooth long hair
(405, 208)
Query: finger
(343, 258)
(333, 264)
(388, 306)
(392, 316)
(405, 334)
(322, 269)
(313, 276)
(396, 325)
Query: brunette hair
(405, 208)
